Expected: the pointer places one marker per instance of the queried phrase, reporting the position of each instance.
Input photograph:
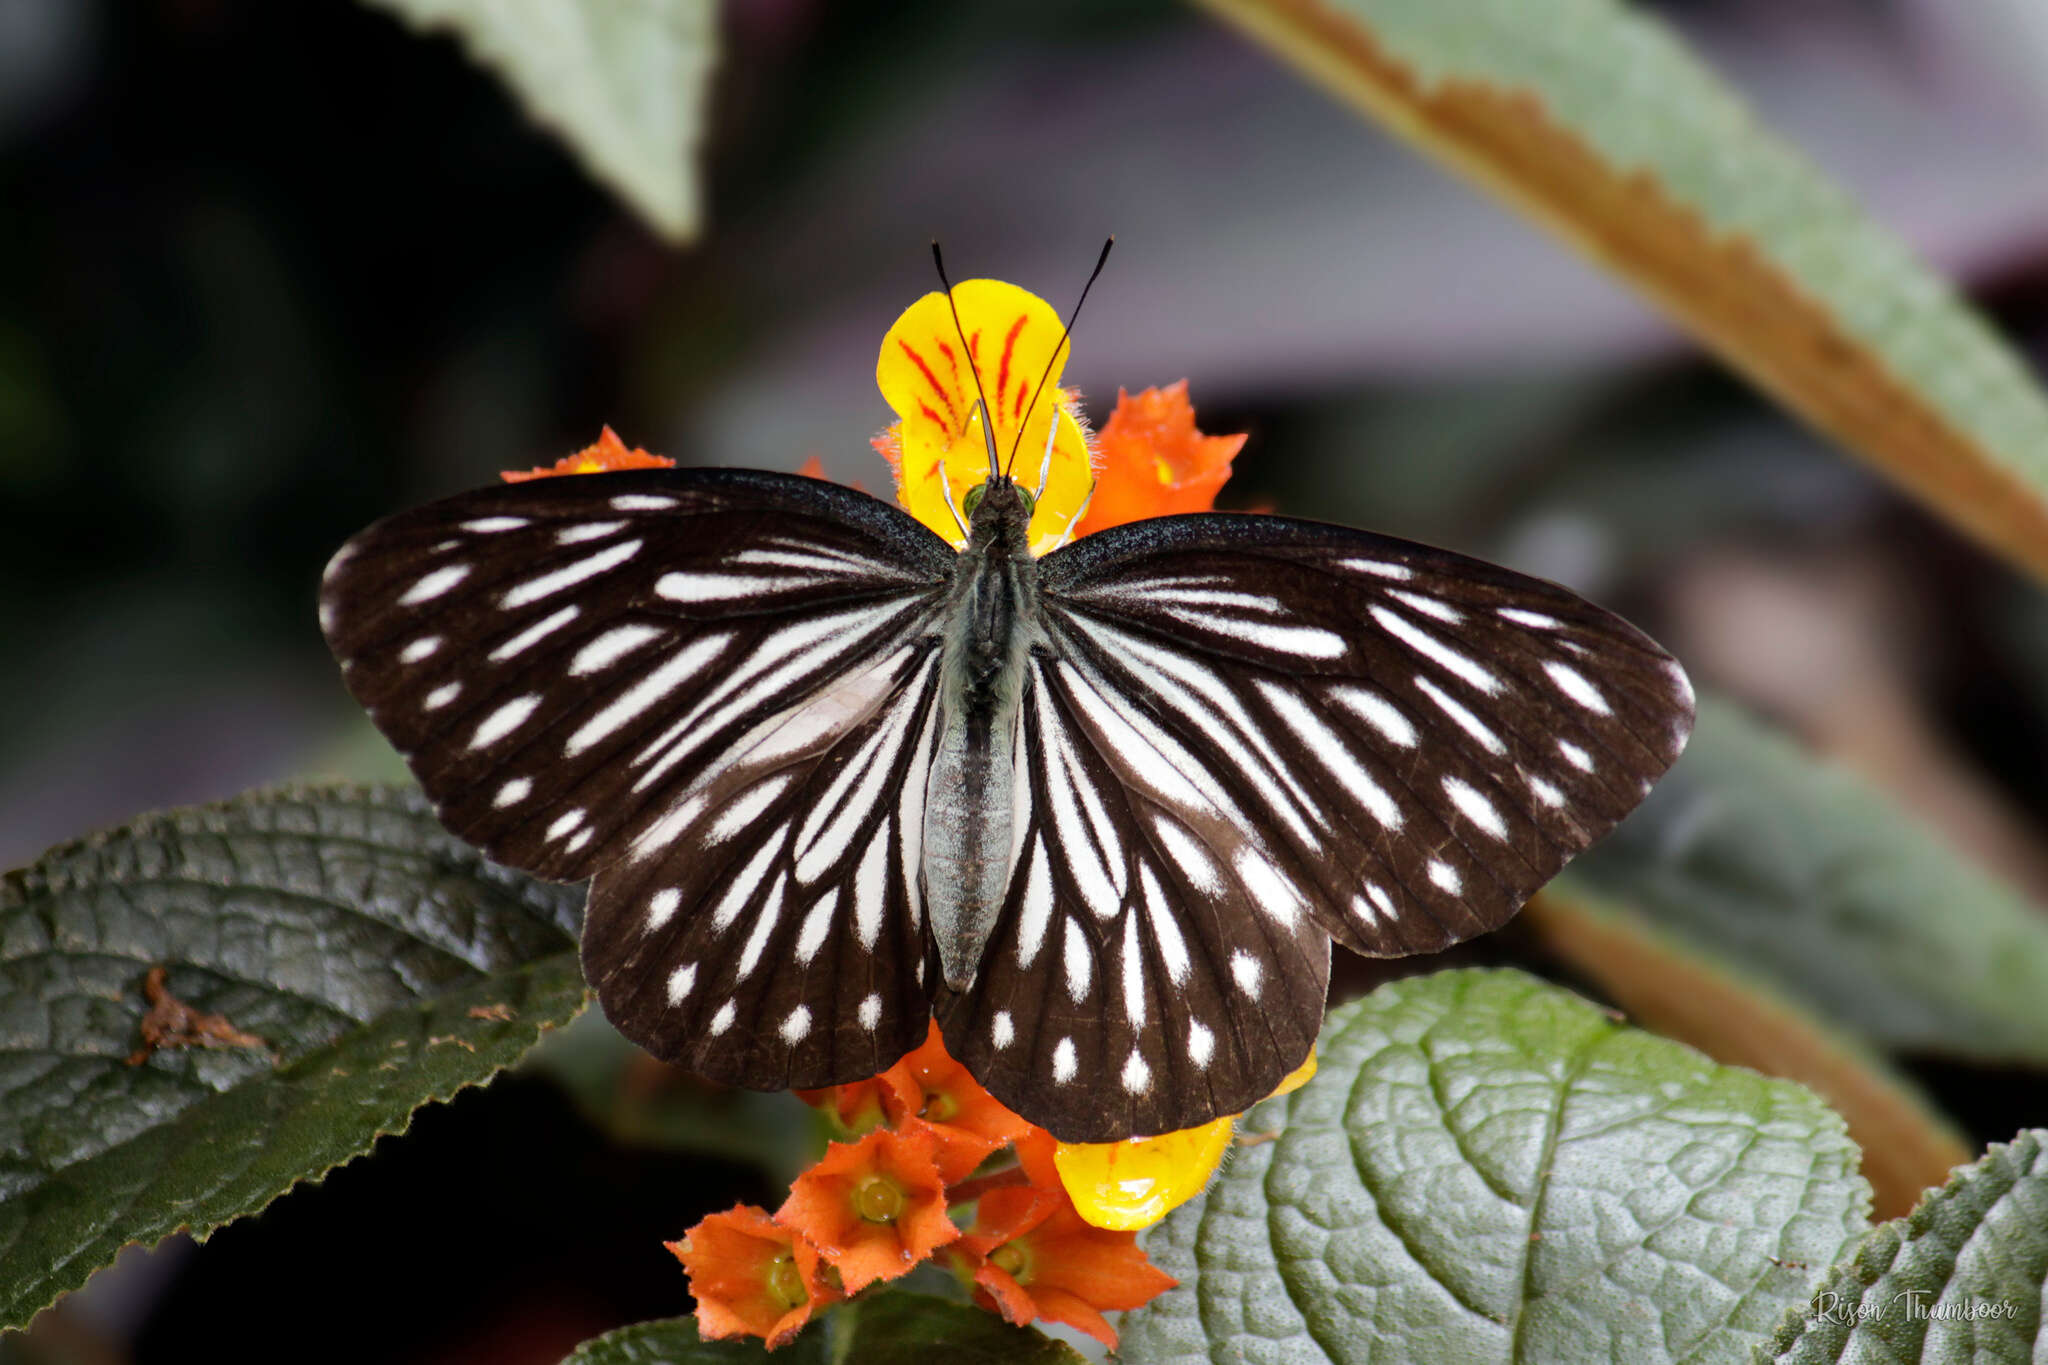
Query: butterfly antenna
(1046, 374)
(988, 430)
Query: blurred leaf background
(268, 272)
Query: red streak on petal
(1021, 398)
(937, 421)
(933, 380)
(1009, 345)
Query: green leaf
(1766, 856)
(1593, 119)
(1489, 1168)
(889, 1328)
(623, 82)
(920, 1329)
(1963, 1277)
(1684, 992)
(674, 1341)
(382, 963)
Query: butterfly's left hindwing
(650, 674)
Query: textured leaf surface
(1594, 120)
(1489, 1168)
(674, 1341)
(889, 1328)
(1963, 1278)
(623, 82)
(382, 962)
(1767, 857)
(1682, 992)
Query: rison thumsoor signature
(1912, 1304)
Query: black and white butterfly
(1101, 813)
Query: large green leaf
(624, 82)
(1963, 1277)
(1489, 1168)
(1595, 120)
(382, 962)
(1765, 856)
(887, 1328)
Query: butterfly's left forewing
(655, 677)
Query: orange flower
(873, 1208)
(858, 1108)
(934, 1091)
(1031, 1255)
(1154, 462)
(750, 1277)
(608, 454)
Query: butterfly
(1101, 813)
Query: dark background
(269, 271)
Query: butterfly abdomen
(968, 812)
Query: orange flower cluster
(607, 454)
(876, 1207)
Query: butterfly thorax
(990, 626)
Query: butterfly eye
(1030, 503)
(973, 500)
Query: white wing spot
(661, 906)
(1445, 876)
(1574, 684)
(1429, 606)
(812, 936)
(534, 633)
(610, 647)
(419, 649)
(533, 589)
(504, 720)
(1400, 573)
(1545, 792)
(743, 812)
(592, 530)
(583, 836)
(1475, 807)
(1077, 960)
(1576, 756)
(1137, 1077)
(1188, 855)
(512, 793)
(1064, 1062)
(490, 525)
(1134, 975)
(1534, 619)
(1379, 897)
(1002, 1032)
(1465, 720)
(1376, 711)
(1037, 912)
(680, 982)
(641, 502)
(1201, 1043)
(434, 584)
(1329, 748)
(1244, 969)
(1435, 650)
(722, 1020)
(722, 587)
(870, 1012)
(1270, 891)
(672, 673)
(441, 696)
(565, 822)
(797, 1024)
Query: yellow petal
(1298, 1077)
(1128, 1185)
(1011, 336)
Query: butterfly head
(997, 497)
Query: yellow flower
(1135, 1183)
(938, 447)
